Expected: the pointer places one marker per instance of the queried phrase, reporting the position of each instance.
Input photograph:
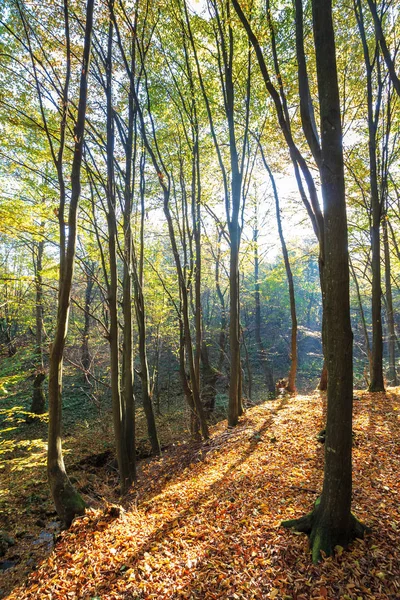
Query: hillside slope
(204, 520)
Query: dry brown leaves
(204, 521)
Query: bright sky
(197, 6)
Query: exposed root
(324, 538)
(303, 525)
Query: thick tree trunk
(331, 523)
(68, 502)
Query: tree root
(324, 538)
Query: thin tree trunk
(85, 353)
(39, 301)
(222, 331)
(234, 342)
(269, 380)
(392, 375)
(185, 318)
(38, 398)
(125, 468)
(209, 376)
(164, 181)
(194, 419)
(291, 386)
(323, 380)
(138, 275)
(376, 383)
(68, 502)
(127, 394)
(364, 324)
(380, 38)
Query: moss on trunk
(325, 536)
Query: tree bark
(263, 358)
(68, 502)
(222, 331)
(291, 386)
(392, 374)
(331, 522)
(380, 38)
(39, 301)
(364, 324)
(38, 406)
(141, 323)
(376, 383)
(85, 353)
(121, 427)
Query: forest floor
(204, 520)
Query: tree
(382, 41)
(300, 165)
(331, 522)
(68, 502)
(220, 13)
(376, 384)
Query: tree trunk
(209, 376)
(269, 380)
(380, 38)
(125, 466)
(38, 406)
(85, 353)
(222, 331)
(194, 419)
(144, 369)
(38, 398)
(291, 386)
(185, 320)
(68, 502)
(331, 522)
(323, 380)
(363, 322)
(392, 375)
(39, 301)
(376, 384)
(127, 395)
(234, 342)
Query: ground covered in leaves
(203, 522)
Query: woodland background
(160, 237)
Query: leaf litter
(203, 521)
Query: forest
(199, 299)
